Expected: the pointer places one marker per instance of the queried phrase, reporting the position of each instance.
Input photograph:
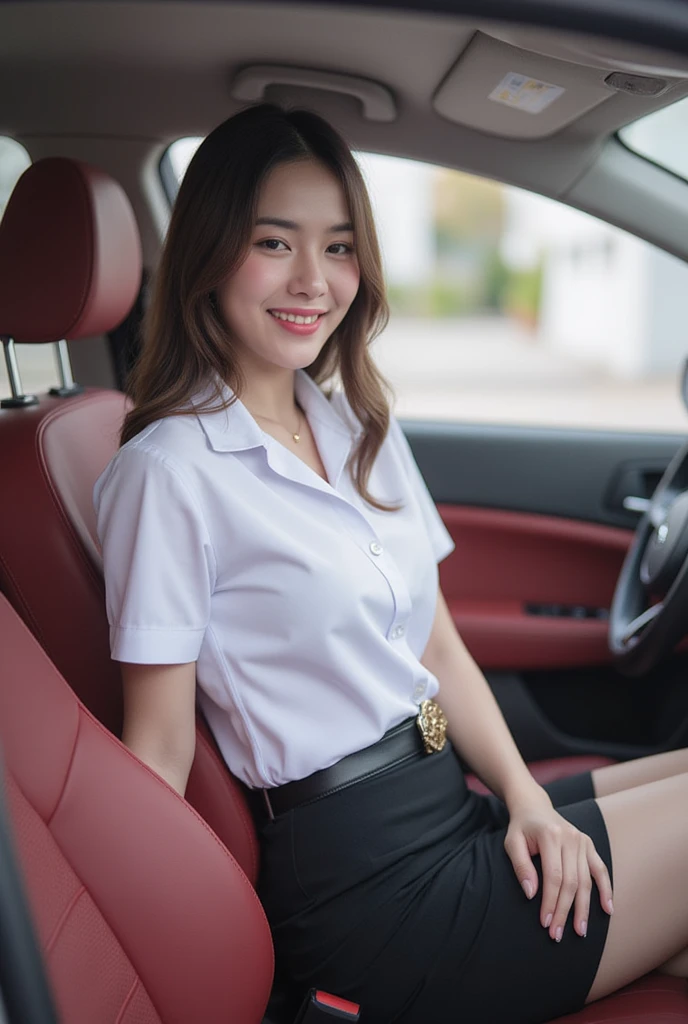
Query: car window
(509, 308)
(661, 137)
(36, 362)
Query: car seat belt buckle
(322, 1008)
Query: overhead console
(526, 84)
(515, 83)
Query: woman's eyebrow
(290, 225)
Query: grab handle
(377, 101)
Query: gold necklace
(296, 436)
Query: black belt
(410, 739)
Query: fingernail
(558, 934)
(527, 888)
(583, 928)
(610, 907)
(548, 920)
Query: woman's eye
(271, 244)
(343, 248)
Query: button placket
(384, 563)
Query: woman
(276, 544)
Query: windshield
(662, 137)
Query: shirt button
(419, 691)
(398, 632)
(376, 548)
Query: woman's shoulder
(170, 444)
(177, 436)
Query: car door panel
(541, 532)
(569, 473)
(531, 591)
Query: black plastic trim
(538, 738)
(23, 979)
(566, 473)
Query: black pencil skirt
(397, 893)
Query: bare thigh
(626, 774)
(648, 835)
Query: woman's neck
(271, 397)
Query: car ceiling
(114, 83)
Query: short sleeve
(440, 538)
(157, 558)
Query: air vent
(636, 85)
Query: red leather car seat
(71, 228)
(143, 916)
(70, 267)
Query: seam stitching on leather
(247, 821)
(28, 614)
(69, 769)
(88, 205)
(128, 998)
(63, 917)
(83, 710)
(72, 535)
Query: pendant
(297, 437)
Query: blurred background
(506, 307)
(511, 308)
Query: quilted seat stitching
(63, 918)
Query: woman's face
(301, 273)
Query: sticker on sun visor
(525, 93)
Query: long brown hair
(184, 337)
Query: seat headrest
(70, 254)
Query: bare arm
(476, 726)
(159, 718)
(478, 731)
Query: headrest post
(18, 400)
(67, 386)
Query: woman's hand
(569, 862)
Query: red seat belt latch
(322, 1008)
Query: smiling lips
(298, 321)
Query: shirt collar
(234, 429)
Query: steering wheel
(649, 612)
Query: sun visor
(504, 90)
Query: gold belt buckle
(432, 723)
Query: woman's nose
(308, 277)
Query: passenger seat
(142, 914)
(70, 267)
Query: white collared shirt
(306, 610)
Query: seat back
(143, 916)
(53, 452)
